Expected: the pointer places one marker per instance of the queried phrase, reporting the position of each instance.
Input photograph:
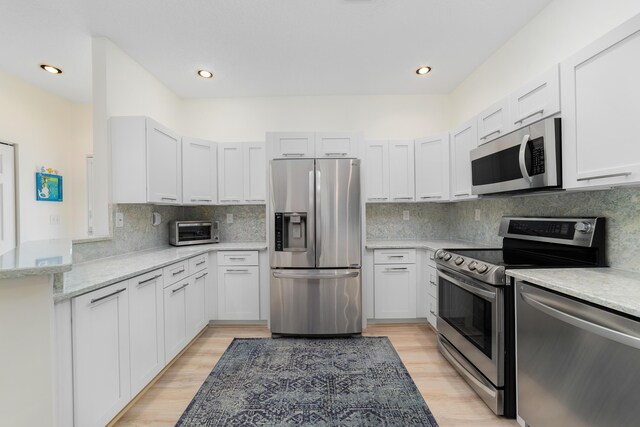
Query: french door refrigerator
(315, 247)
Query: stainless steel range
(476, 321)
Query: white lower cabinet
(101, 354)
(395, 291)
(238, 293)
(175, 318)
(146, 317)
(195, 304)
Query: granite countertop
(99, 273)
(420, 244)
(36, 258)
(608, 287)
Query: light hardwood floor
(450, 399)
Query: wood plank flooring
(451, 400)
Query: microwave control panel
(537, 156)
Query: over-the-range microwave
(525, 160)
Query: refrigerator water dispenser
(291, 231)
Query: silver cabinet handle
(335, 154)
(238, 258)
(608, 333)
(172, 199)
(528, 116)
(378, 198)
(430, 197)
(149, 280)
(201, 276)
(95, 300)
(180, 288)
(432, 312)
(468, 287)
(200, 263)
(610, 175)
(254, 200)
(395, 256)
(175, 273)
(461, 194)
(523, 166)
(346, 275)
(293, 154)
(490, 133)
(230, 200)
(395, 268)
(231, 270)
(200, 200)
(402, 198)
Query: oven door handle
(521, 160)
(469, 287)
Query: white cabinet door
(401, 176)
(164, 165)
(146, 317)
(195, 304)
(255, 174)
(101, 354)
(432, 316)
(536, 100)
(463, 139)
(199, 172)
(175, 320)
(377, 171)
(395, 291)
(291, 145)
(601, 111)
(494, 122)
(238, 293)
(230, 173)
(337, 145)
(432, 168)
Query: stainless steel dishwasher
(577, 365)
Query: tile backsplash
(426, 221)
(249, 221)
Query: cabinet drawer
(238, 258)
(198, 263)
(394, 256)
(175, 272)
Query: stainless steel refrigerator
(315, 247)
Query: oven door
(526, 159)
(470, 317)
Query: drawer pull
(528, 116)
(238, 258)
(395, 256)
(293, 154)
(175, 273)
(93, 301)
(232, 270)
(335, 154)
(378, 198)
(200, 263)
(395, 268)
(255, 200)
(230, 200)
(180, 288)
(200, 200)
(151, 279)
(610, 175)
(171, 199)
(403, 198)
(201, 276)
(490, 133)
(430, 197)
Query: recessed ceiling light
(205, 74)
(51, 69)
(423, 70)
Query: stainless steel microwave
(525, 160)
(182, 233)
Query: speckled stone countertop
(92, 275)
(36, 258)
(608, 287)
(420, 244)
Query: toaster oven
(183, 233)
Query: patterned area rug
(357, 381)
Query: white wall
(558, 31)
(82, 145)
(379, 117)
(40, 124)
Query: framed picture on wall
(48, 187)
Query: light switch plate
(229, 218)
(119, 219)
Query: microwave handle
(523, 166)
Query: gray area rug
(357, 381)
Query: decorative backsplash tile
(249, 221)
(426, 221)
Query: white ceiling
(263, 47)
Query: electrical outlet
(119, 219)
(54, 220)
(229, 218)
(477, 215)
(405, 215)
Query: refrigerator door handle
(319, 276)
(311, 218)
(318, 214)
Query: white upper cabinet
(255, 173)
(432, 168)
(376, 168)
(241, 173)
(146, 162)
(494, 122)
(337, 144)
(463, 139)
(401, 174)
(601, 111)
(536, 100)
(291, 145)
(199, 172)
